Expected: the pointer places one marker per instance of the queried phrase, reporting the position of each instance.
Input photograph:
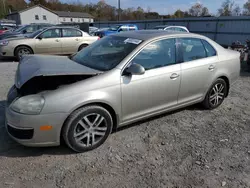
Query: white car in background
(172, 28)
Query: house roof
(73, 14)
(59, 13)
(32, 8)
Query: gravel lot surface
(187, 148)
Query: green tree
(179, 14)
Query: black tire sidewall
(20, 48)
(208, 104)
(73, 123)
(82, 46)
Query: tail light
(98, 38)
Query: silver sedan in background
(117, 80)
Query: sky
(165, 6)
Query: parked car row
(131, 27)
(51, 40)
(58, 40)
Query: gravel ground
(187, 148)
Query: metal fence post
(216, 30)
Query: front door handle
(211, 67)
(174, 76)
(57, 40)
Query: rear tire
(22, 50)
(82, 46)
(215, 95)
(87, 128)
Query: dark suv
(24, 30)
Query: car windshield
(107, 53)
(114, 28)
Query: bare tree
(226, 8)
(246, 8)
(205, 11)
(237, 10)
(198, 10)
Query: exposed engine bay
(40, 84)
(45, 83)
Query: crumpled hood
(46, 65)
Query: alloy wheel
(90, 130)
(23, 51)
(217, 94)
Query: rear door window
(192, 49)
(71, 33)
(209, 49)
(51, 33)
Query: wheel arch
(226, 79)
(110, 109)
(24, 45)
(83, 44)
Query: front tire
(216, 94)
(82, 46)
(87, 128)
(22, 50)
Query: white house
(35, 14)
(41, 14)
(74, 17)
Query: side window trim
(204, 47)
(179, 53)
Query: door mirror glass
(134, 69)
(39, 37)
(24, 31)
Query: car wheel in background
(216, 94)
(87, 128)
(82, 46)
(22, 50)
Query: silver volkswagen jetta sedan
(118, 80)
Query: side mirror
(134, 69)
(24, 31)
(39, 37)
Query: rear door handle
(57, 40)
(211, 67)
(77, 39)
(174, 76)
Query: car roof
(170, 26)
(62, 27)
(151, 34)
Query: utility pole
(4, 7)
(119, 10)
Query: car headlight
(31, 105)
(4, 42)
